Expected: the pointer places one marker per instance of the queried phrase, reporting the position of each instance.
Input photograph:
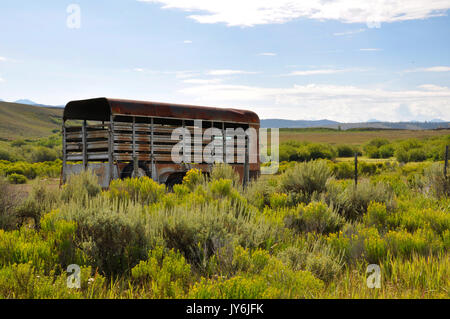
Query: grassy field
(26, 121)
(306, 232)
(353, 137)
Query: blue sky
(341, 60)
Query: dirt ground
(26, 188)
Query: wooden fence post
(356, 169)
(445, 161)
(64, 151)
(84, 141)
(246, 163)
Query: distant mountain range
(29, 102)
(433, 124)
(281, 123)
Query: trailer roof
(100, 109)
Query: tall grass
(302, 234)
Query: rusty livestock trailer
(123, 138)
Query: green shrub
(112, 236)
(435, 181)
(50, 249)
(307, 177)
(272, 279)
(415, 218)
(352, 202)
(343, 170)
(221, 188)
(324, 264)
(21, 168)
(316, 257)
(18, 143)
(17, 179)
(412, 150)
(43, 154)
(376, 216)
(166, 274)
(378, 142)
(367, 169)
(301, 152)
(320, 151)
(372, 151)
(405, 244)
(19, 281)
(9, 200)
(378, 148)
(39, 201)
(259, 191)
(386, 151)
(81, 187)
(287, 153)
(142, 190)
(394, 181)
(224, 171)
(193, 178)
(346, 151)
(6, 155)
(201, 231)
(278, 200)
(428, 274)
(401, 155)
(316, 217)
(417, 155)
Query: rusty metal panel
(100, 109)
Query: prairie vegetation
(403, 150)
(21, 121)
(353, 136)
(305, 233)
(24, 159)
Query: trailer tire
(174, 179)
(127, 172)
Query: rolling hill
(277, 123)
(27, 121)
(19, 120)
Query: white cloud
(183, 74)
(187, 41)
(254, 12)
(1, 79)
(315, 72)
(431, 69)
(177, 74)
(228, 72)
(350, 32)
(202, 81)
(432, 87)
(336, 102)
(3, 59)
(370, 49)
(268, 54)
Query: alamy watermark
(73, 20)
(230, 145)
(374, 279)
(74, 277)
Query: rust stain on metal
(101, 108)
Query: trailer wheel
(127, 172)
(174, 179)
